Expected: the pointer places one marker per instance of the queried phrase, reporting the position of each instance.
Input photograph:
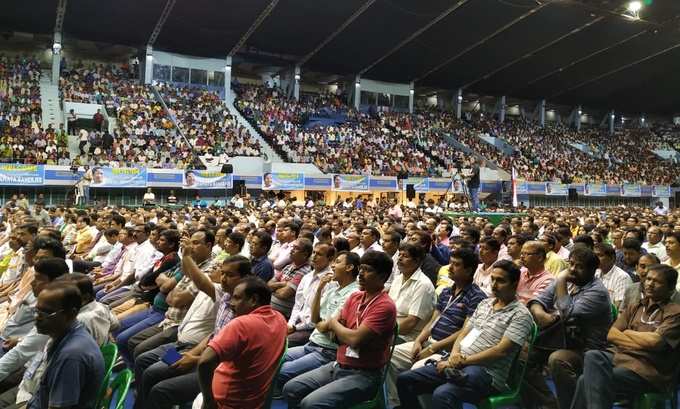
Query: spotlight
(412, 91)
(460, 98)
(56, 47)
(634, 6)
(227, 68)
(297, 77)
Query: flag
(514, 187)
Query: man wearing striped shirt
(481, 358)
(454, 306)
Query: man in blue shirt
(260, 243)
(454, 306)
(75, 366)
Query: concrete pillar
(56, 58)
(459, 103)
(612, 116)
(501, 111)
(541, 113)
(296, 82)
(148, 65)
(227, 80)
(357, 92)
(577, 118)
(411, 96)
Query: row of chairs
(112, 395)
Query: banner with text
(419, 184)
(595, 189)
(631, 190)
(205, 179)
(283, 181)
(556, 189)
(118, 177)
(661, 191)
(22, 175)
(350, 183)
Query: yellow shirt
(443, 279)
(83, 240)
(554, 263)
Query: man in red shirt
(240, 361)
(363, 329)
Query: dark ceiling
(567, 51)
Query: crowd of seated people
(22, 136)
(201, 301)
(207, 123)
(390, 143)
(543, 154)
(93, 83)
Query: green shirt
(159, 301)
(332, 300)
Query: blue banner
(631, 190)
(661, 191)
(205, 179)
(169, 178)
(22, 175)
(317, 182)
(118, 177)
(350, 183)
(283, 181)
(556, 189)
(419, 184)
(522, 187)
(384, 184)
(595, 189)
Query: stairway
(266, 148)
(49, 101)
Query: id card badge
(470, 338)
(351, 353)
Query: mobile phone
(171, 356)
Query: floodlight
(634, 6)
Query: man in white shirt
(412, 292)
(614, 278)
(368, 241)
(654, 244)
(391, 241)
(149, 197)
(300, 324)
(237, 201)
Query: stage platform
(492, 217)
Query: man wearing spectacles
(74, 361)
(534, 278)
(644, 356)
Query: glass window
(401, 101)
(180, 74)
(216, 78)
(384, 100)
(161, 72)
(367, 98)
(199, 77)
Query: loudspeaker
(239, 187)
(573, 196)
(403, 175)
(410, 192)
(228, 169)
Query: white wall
(185, 61)
(382, 87)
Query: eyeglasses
(528, 254)
(45, 314)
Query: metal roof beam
(533, 52)
(579, 60)
(263, 15)
(169, 5)
(60, 13)
(337, 32)
(482, 41)
(614, 71)
(415, 35)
